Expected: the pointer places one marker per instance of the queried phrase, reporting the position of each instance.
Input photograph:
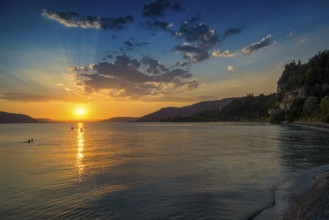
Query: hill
(6, 117)
(172, 113)
(121, 119)
(303, 89)
(46, 120)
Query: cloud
(265, 41)
(231, 69)
(231, 31)
(153, 66)
(75, 20)
(225, 53)
(127, 78)
(194, 53)
(130, 45)
(202, 33)
(301, 41)
(158, 25)
(183, 64)
(157, 8)
(198, 37)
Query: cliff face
(303, 89)
(289, 97)
(299, 81)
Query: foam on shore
(296, 193)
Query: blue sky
(158, 51)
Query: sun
(80, 111)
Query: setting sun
(80, 111)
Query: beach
(305, 197)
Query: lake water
(150, 170)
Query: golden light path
(80, 147)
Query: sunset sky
(130, 58)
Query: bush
(277, 116)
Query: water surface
(150, 170)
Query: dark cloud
(130, 45)
(183, 64)
(129, 78)
(265, 41)
(157, 8)
(202, 33)
(73, 19)
(158, 25)
(199, 38)
(195, 53)
(153, 66)
(177, 7)
(231, 31)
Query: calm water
(151, 170)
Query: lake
(150, 170)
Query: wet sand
(305, 197)
(314, 203)
(301, 197)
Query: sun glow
(80, 111)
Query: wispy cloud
(230, 68)
(264, 42)
(75, 20)
(25, 97)
(231, 31)
(225, 53)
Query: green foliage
(295, 110)
(312, 76)
(310, 108)
(248, 108)
(324, 109)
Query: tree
(324, 109)
(310, 107)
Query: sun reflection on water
(79, 155)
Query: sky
(130, 58)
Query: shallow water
(150, 170)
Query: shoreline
(316, 125)
(301, 196)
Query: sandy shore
(300, 197)
(305, 197)
(313, 203)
